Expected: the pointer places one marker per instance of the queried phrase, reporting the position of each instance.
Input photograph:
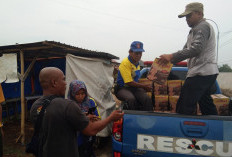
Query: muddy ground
(13, 149)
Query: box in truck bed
(222, 103)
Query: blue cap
(137, 46)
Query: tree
(225, 68)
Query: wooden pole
(22, 134)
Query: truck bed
(170, 134)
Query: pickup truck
(160, 134)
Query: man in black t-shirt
(62, 118)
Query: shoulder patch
(38, 109)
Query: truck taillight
(117, 154)
(194, 123)
(117, 130)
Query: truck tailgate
(167, 135)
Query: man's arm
(146, 87)
(200, 38)
(94, 127)
(201, 35)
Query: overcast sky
(111, 25)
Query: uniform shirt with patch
(128, 72)
(94, 104)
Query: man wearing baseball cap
(128, 88)
(199, 51)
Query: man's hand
(147, 87)
(94, 127)
(93, 118)
(165, 58)
(116, 115)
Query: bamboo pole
(22, 134)
(29, 68)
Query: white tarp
(97, 75)
(8, 68)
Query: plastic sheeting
(98, 77)
(8, 68)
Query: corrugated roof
(47, 49)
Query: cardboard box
(172, 102)
(161, 89)
(161, 103)
(222, 104)
(146, 81)
(158, 89)
(174, 87)
(159, 73)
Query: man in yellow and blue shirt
(128, 87)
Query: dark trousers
(1, 143)
(136, 98)
(197, 89)
(86, 148)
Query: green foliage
(225, 68)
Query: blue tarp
(12, 90)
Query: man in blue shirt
(129, 89)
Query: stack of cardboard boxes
(166, 101)
(167, 91)
(167, 95)
(159, 74)
(174, 88)
(161, 97)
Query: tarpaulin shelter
(98, 77)
(32, 52)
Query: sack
(33, 146)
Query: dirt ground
(13, 149)
(11, 133)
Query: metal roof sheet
(48, 49)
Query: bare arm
(146, 87)
(94, 127)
